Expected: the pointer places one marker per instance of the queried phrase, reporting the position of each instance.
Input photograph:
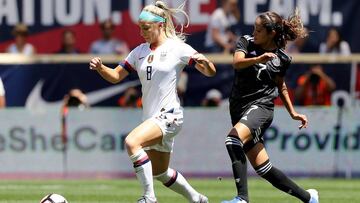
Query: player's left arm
(203, 65)
(285, 98)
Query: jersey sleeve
(130, 62)
(242, 45)
(185, 54)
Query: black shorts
(257, 118)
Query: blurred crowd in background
(309, 84)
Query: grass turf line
(128, 190)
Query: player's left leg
(171, 178)
(147, 133)
(259, 159)
(170, 122)
(248, 124)
(314, 195)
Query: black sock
(239, 165)
(279, 180)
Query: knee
(242, 132)
(131, 143)
(233, 140)
(162, 177)
(235, 149)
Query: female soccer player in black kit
(260, 65)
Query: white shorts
(170, 123)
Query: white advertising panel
(31, 143)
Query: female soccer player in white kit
(158, 63)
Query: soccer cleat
(144, 199)
(314, 196)
(202, 199)
(237, 199)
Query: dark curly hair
(286, 29)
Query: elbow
(237, 66)
(114, 81)
(209, 71)
(239, 62)
(234, 66)
(212, 73)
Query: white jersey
(159, 71)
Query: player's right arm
(112, 75)
(240, 61)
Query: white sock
(176, 182)
(143, 170)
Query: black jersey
(255, 84)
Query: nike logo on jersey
(140, 58)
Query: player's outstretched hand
(302, 118)
(95, 63)
(265, 57)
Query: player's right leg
(234, 146)
(146, 134)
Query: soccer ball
(53, 198)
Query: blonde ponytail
(161, 9)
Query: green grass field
(128, 190)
